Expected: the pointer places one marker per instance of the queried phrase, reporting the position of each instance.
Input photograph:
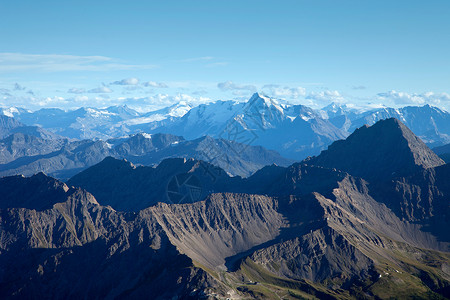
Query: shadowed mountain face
(443, 152)
(76, 248)
(421, 198)
(301, 231)
(385, 150)
(123, 186)
(38, 192)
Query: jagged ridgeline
(366, 219)
(294, 131)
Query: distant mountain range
(366, 219)
(295, 131)
(28, 154)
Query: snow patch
(146, 135)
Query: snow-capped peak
(262, 101)
(9, 112)
(12, 111)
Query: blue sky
(98, 53)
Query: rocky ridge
(308, 230)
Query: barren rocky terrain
(328, 227)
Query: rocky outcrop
(221, 226)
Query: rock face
(385, 150)
(306, 230)
(420, 198)
(76, 248)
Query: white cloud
(127, 81)
(101, 89)
(155, 84)
(12, 62)
(402, 98)
(231, 86)
(159, 101)
(278, 91)
(326, 96)
(81, 99)
(49, 101)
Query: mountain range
(368, 218)
(295, 131)
(26, 154)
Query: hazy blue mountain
(430, 123)
(23, 154)
(19, 145)
(82, 123)
(9, 125)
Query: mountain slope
(385, 150)
(76, 248)
(7, 124)
(443, 152)
(110, 182)
(309, 230)
(336, 240)
(19, 145)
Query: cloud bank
(155, 84)
(127, 81)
